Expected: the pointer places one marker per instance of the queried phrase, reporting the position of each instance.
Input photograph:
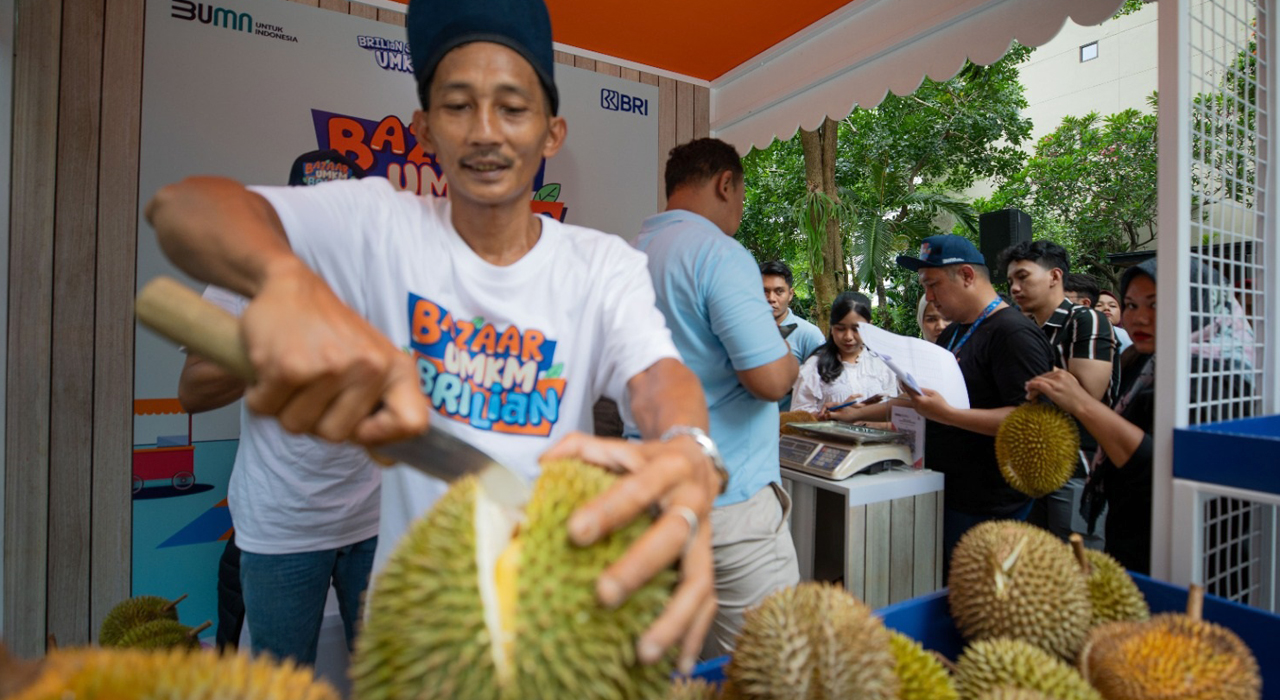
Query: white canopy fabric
(854, 55)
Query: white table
(892, 529)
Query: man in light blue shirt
(804, 337)
(706, 287)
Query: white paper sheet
(918, 363)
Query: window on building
(1089, 51)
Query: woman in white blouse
(840, 370)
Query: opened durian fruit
(480, 603)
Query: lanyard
(981, 317)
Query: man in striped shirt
(1084, 344)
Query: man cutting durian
(370, 308)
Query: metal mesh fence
(1230, 62)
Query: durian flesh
(476, 603)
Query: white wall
(1123, 75)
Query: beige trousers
(754, 556)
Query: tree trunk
(820, 176)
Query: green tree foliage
(894, 163)
(1223, 124)
(1091, 186)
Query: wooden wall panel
(902, 521)
(701, 112)
(391, 17)
(360, 9)
(335, 5)
(667, 140)
(37, 37)
(111, 551)
(75, 250)
(684, 112)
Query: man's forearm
(667, 393)
(204, 386)
(219, 232)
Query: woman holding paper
(840, 371)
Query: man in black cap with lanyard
(507, 325)
(999, 350)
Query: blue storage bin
(927, 619)
(1243, 453)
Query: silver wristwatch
(708, 448)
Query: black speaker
(998, 230)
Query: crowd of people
(353, 295)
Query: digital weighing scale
(836, 451)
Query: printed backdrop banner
(240, 88)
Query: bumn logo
(615, 101)
(209, 14)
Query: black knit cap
(436, 27)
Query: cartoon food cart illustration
(171, 462)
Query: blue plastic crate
(1253, 445)
(927, 619)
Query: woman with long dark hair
(841, 370)
(1121, 473)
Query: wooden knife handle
(178, 313)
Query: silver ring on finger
(691, 518)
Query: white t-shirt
(296, 493)
(572, 320)
(868, 376)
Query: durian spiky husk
(133, 674)
(1012, 693)
(921, 674)
(812, 642)
(1171, 656)
(158, 634)
(1037, 448)
(440, 603)
(132, 612)
(1112, 592)
(692, 689)
(994, 663)
(785, 420)
(1010, 579)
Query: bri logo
(209, 14)
(615, 101)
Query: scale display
(828, 458)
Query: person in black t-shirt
(999, 350)
(1084, 345)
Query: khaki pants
(754, 557)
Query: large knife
(178, 313)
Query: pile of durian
(148, 622)
(482, 603)
(1044, 621)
